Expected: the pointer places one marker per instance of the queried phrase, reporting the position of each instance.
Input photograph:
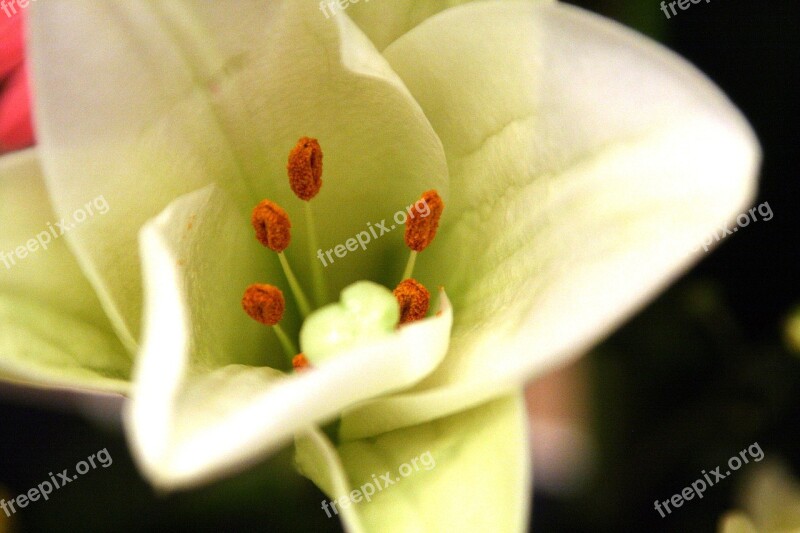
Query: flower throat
(265, 302)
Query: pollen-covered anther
(264, 303)
(300, 363)
(305, 168)
(420, 230)
(272, 225)
(414, 300)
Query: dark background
(699, 375)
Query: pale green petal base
(472, 473)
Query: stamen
(318, 278)
(288, 346)
(265, 304)
(414, 300)
(421, 230)
(305, 168)
(300, 363)
(297, 290)
(272, 225)
(305, 179)
(412, 260)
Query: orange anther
(264, 303)
(414, 300)
(272, 225)
(305, 168)
(420, 230)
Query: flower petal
(143, 102)
(193, 386)
(587, 164)
(318, 460)
(384, 22)
(467, 472)
(53, 331)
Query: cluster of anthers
(265, 303)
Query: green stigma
(366, 311)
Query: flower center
(366, 309)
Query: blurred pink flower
(16, 129)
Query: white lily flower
(562, 143)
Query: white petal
(384, 22)
(587, 163)
(318, 460)
(145, 101)
(53, 332)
